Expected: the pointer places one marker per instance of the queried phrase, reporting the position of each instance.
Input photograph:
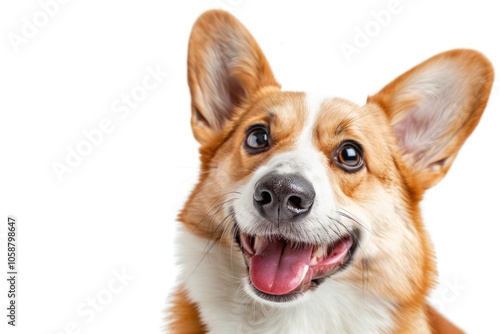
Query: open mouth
(281, 270)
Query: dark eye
(349, 157)
(257, 139)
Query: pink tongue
(277, 269)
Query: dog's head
(306, 191)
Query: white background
(117, 209)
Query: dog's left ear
(225, 68)
(434, 107)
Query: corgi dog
(305, 217)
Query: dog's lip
(323, 262)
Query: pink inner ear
(411, 132)
(422, 130)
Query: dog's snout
(283, 197)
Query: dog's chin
(281, 271)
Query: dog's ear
(434, 107)
(225, 68)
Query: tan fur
(440, 324)
(392, 184)
(185, 319)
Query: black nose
(283, 197)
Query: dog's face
(306, 191)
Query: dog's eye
(349, 156)
(257, 139)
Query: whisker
(363, 255)
(216, 206)
(211, 242)
(349, 216)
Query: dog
(305, 218)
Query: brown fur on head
(407, 136)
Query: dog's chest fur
(337, 307)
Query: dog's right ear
(434, 107)
(225, 68)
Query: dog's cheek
(348, 187)
(389, 230)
